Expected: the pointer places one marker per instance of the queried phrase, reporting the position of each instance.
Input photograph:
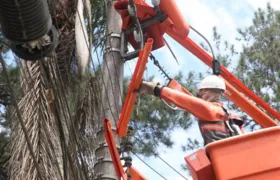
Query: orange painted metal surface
(170, 25)
(253, 156)
(122, 175)
(134, 85)
(252, 110)
(180, 27)
(113, 150)
(173, 84)
(175, 21)
(207, 59)
(144, 11)
(200, 166)
(136, 175)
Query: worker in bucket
(215, 122)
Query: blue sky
(227, 16)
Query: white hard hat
(212, 82)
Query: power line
(102, 75)
(162, 159)
(149, 166)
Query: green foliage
(5, 115)
(99, 15)
(259, 64)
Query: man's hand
(146, 88)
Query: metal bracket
(160, 17)
(110, 49)
(115, 35)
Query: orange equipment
(253, 156)
(134, 85)
(200, 166)
(113, 150)
(135, 175)
(248, 156)
(170, 25)
(174, 22)
(233, 82)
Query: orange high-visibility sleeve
(201, 109)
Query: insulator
(24, 20)
(128, 176)
(127, 161)
(128, 146)
(130, 130)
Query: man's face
(210, 94)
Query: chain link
(156, 63)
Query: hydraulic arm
(154, 22)
(171, 25)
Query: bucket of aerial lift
(200, 166)
(252, 156)
(135, 174)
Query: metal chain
(156, 63)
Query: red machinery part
(180, 27)
(144, 11)
(200, 166)
(259, 116)
(135, 174)
(113, 150)
(175, 21)
(134, 85)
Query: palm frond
(41, 127)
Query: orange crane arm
(135, 175)
(113, 150)
(134, 84)
(170, 26)
(232, 83)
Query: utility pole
(112, 88)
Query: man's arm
(201, 109)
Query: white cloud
(198, 15)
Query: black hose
(24, 20)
